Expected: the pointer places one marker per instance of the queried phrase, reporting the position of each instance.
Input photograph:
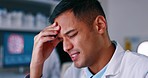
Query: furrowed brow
(72, 30)
(66, 33)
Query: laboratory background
(21, 20)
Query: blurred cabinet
(23, 16)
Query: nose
(67, 45)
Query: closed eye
(71, 35)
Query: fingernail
(55, 24)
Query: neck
(103, 58)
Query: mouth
(74, 55)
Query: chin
(78, 65)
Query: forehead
(67, 21)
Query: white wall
(127, 18)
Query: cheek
(79, 43)
(88, 44)
(83, 43)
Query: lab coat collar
(115, 62)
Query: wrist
(36, 70)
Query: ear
(100, 24)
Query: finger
(52, 25)
(47, 39)
(45, 34)
(48, 33)
(52, 28)
(42, 40)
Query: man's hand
(44, 43)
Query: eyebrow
(70, 31)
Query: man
(82, 27)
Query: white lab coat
(51, 68)
(123, 64)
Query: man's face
(79, 40)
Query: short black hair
(84, 10)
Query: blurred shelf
(51, 2)
(27, 6)
(23, 29)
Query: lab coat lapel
(115, 62)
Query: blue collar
(98, 75)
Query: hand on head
(44, 43)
